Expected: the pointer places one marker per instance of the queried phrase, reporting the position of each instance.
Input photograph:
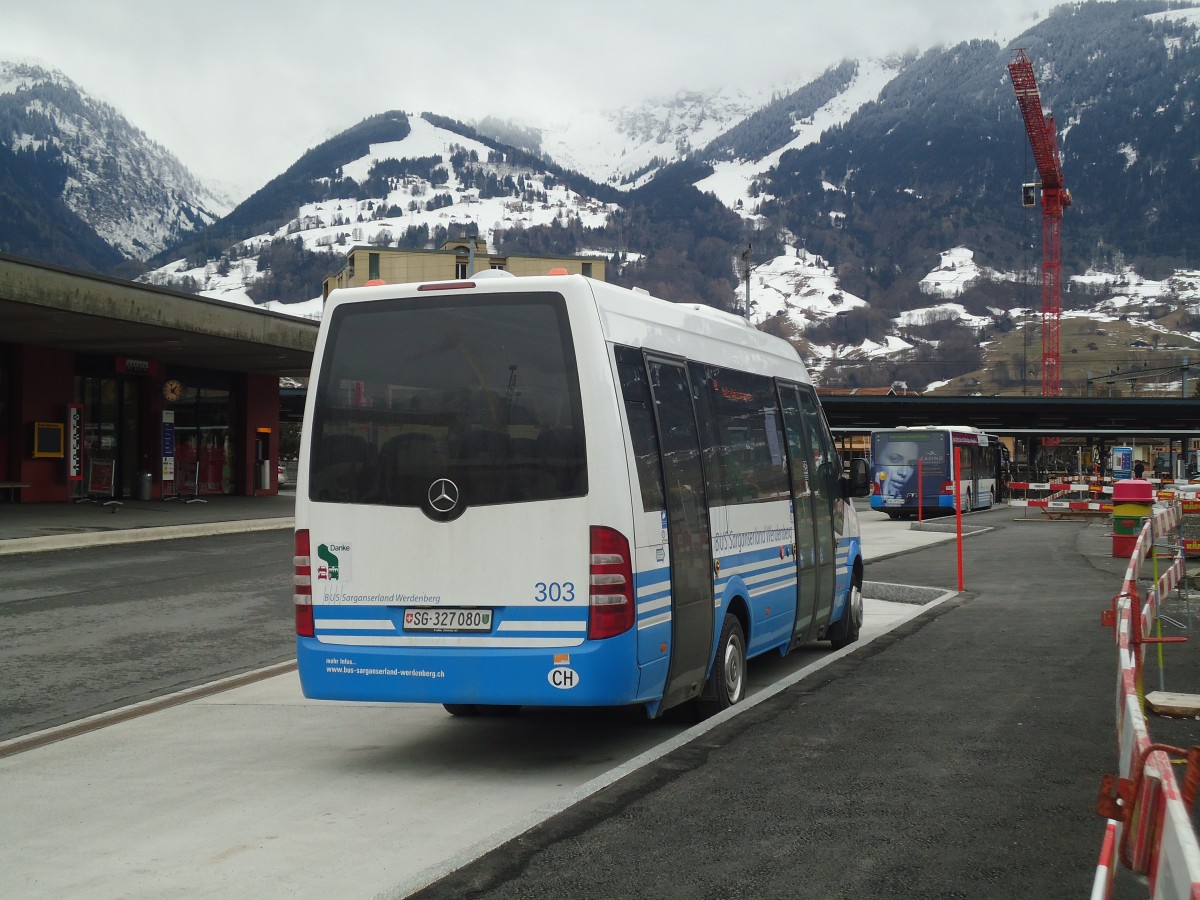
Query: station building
(111, 389)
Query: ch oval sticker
(563, 677)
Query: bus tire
(845, 631)
(726, 683)
(462, 709)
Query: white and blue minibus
(552, 491)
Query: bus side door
(688, 529)
(803, 512)
(824, 476)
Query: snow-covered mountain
(626, 146)
(879, 199)
(134, 194)
(733, 180)
(447, 194)
(796, 290)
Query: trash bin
(1133, 501)
(145, 485)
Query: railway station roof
(48, 306)
(1059, 416)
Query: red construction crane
(1055, 198)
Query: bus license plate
(447, 620)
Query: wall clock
(172, 390)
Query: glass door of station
(111, 420)
(205, 456)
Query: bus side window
(710, 441)
(827, 468)
(635, 391)
(751, 437)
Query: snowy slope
(334, 225)
(731, 180)
(611, 146)
(134, 193)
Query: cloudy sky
(239, 90)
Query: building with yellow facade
(455, 259)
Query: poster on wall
(168, 445)
(100, 477)
(75, 442)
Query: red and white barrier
(1106, 869)
(1189, 501)
(1060, 496)
(1075, 505)
(1149, 827)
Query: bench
(12, 487)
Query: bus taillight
(948, 488)
(612, 609)
(302, 585)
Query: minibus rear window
(482, 390)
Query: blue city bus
(551, 491)
(913, 470)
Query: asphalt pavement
(959, 755)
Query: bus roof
(626, 316)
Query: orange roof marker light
(375, 282)
(557, 271)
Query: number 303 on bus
(554, 591)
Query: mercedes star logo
(443, 495)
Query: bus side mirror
(859, 482)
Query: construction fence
(1054, 499)
(1149, 829)
(1094, 497)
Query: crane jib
(1055, 198)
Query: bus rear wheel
(462, 709)
(726, 684)
(845, 631)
